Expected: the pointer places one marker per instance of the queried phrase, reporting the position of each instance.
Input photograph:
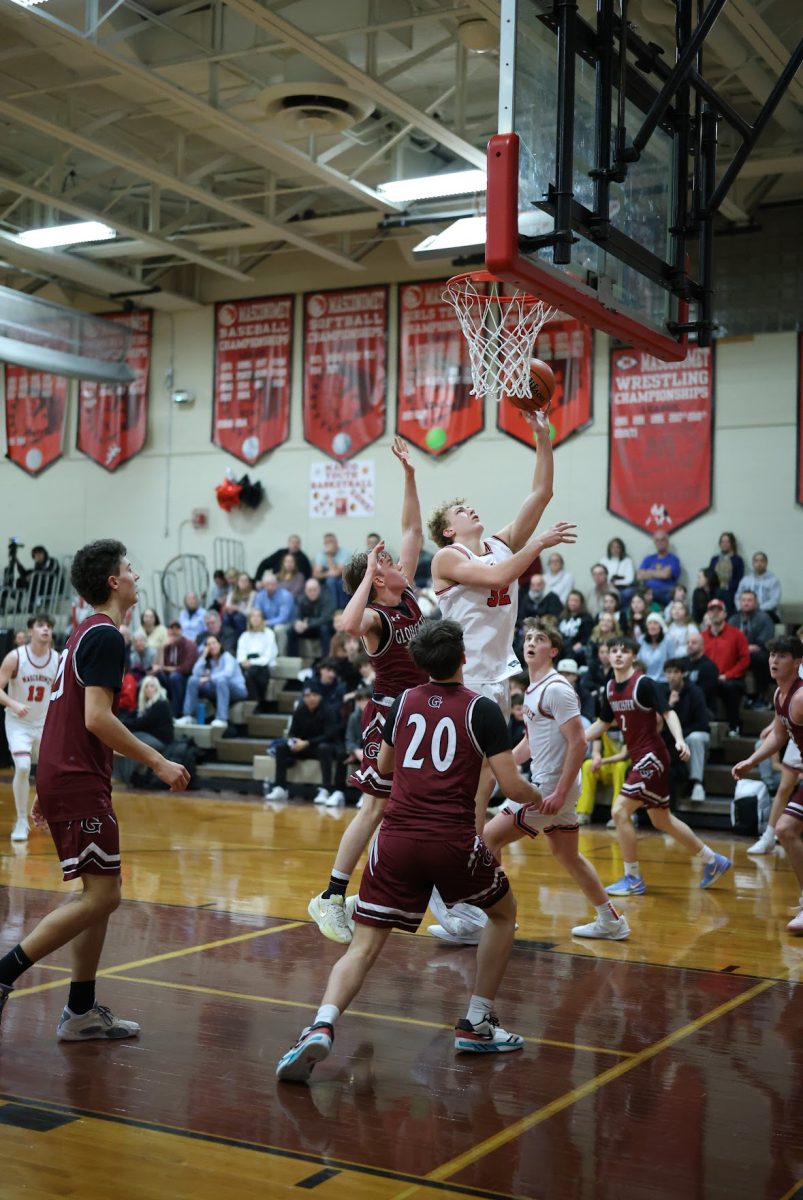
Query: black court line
(313, 1181)
(37, 1120)
(730, 969)
(337, 1165)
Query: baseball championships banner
(660, 438)
(253, 353)
(113, 419)
(567, 345)
(345, 356)
(435, 409)
(36, 404)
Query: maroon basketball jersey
(782, 712)
(637, 722)
(438, 761)
(394, 667)
(73, 778)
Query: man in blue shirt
(277, 607)
(660, 570)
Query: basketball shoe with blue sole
(312, 1047)
(486, 1037)
(712, 871)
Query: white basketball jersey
(32, 685)
(548, 704)
(488, 618)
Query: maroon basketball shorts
(647, 781)
(402, 871)
(367, 776)
(88, 845)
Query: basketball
(542, 386)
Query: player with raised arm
(434, 741)
(785, 656)
(633, 702)
(26, 679)
(74, 791)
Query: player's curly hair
(437, 521)
(549, 631)
(354, 573)
(91, 568)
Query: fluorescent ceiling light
(467, 235)
(456, 183)
(66, 235)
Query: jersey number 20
(442, 756)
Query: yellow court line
(599, 1081)
(793, 1191)
(354, 1012)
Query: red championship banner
(435, 409)
(567, 345)
(253, 350)
(345, 354)
(799, 489)
(36, 404)
(113, 419)
(660, 438)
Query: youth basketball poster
(36, 404)
(113, 419)
(345, 360)
(341, 489)
(567, 345)
(253, 354)
(660, 438)
(435, 409)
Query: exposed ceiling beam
(780, 164)
(747, 21)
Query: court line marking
(482, 1149)
(355, 1012)
(794, 1192)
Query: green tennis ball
(436, 437)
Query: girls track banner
(36, 405)
(660, 438)
(435, 409)
(568, 346)
(799, 489)
(113, 419)
(253, 354)
(345, 357)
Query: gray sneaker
(99, 1022)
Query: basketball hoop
(500, 325)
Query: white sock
(706, 855)
(327, 1013)
(606, 912)
(340, 876)
(20, 788)
(633, 869)
(479, 1007)
(769, 830)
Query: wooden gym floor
(668, 1066)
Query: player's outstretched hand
(174, 774)
(402, 452)
(741, 769)
(560, 532)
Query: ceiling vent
(313, 108)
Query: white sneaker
(322, 796)
(218, 724)
(698, 793)
(351, 904)
(764, 845)
(331, 918)
(583, 818)
(277, 793)
(99, 1022)
(335, 800)
(469, 938)
(20, 831)
(487, 1035)
(184, 721)
(614, 931)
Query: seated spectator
(274, 561)
(347, 670)
(679, 627)
(758, 628)
(592, 682)
(601, 588)
(257, 652)
(633, 621)
(45, 577)
(611, 604)
(727, 649)
(688, 701)
(173, 666)
(557, 578)
(328, 569)
(367, 671)
(606, 627)
(191, 617)
(21, 636)
(277, 607)
(354, 752)
(141, 657)
(661, 569)
(698, 668)
(314, 732)
(621, 572)
(314, 613)
(216, 676)
(152, 724)
(680, 593)
(330, 685)
(152, 628)
(575, 627)
(608, 764)
(218, 590)
(766, 586)
(239, 599)
(290, 577)
(728, 566)
(213, 627)
(707, 589)
(655, 647)
(537, 601)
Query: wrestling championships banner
(435, 409)
(345, 357)
(36, 406)
(253, 353)
(113, 419)
(660, 438)
(567, 345)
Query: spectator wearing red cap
(729, 651)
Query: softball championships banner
(36, 404)
(112, 419)
(660, 438)
(345, 355)
(799, 490)
(567, 345)
(253, 353)
(435, 409)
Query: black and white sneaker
(487, 1036)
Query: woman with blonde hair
(606, 627)
(152, 724)
(290, 577)
(240, 600)
(152, 629)
(257, 652)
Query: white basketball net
(500, 331)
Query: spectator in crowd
(612, 605)
(354, 751)
(141, 656)
(758, 628)
(314, 614)
(218, 590)
(21, 637)
(655, 647)
(239, 599)
(277, 607)
(601, 588)
(593, 680)
(575, 626)
(707, 589)
(423, 572)
(257, 652)
(330, 685)
(174, 663)
(766, 586)
(727, 649)
(152, 628)
(371, 540)
(699, 669)
(621, 572)
(557, 578)
(728, 566)
(661, 569)
(679, 626)
(214, 627)
(290, 577)
(314, 732)
(343, 650)
(328, 569)
(274, 561)
(537, 601)
(680, 593)
(688, 702)
(191, 617)
(606, 627)
(608, 764)
(152, 724)
(45, 577)
(635, 618)
(216, 676)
